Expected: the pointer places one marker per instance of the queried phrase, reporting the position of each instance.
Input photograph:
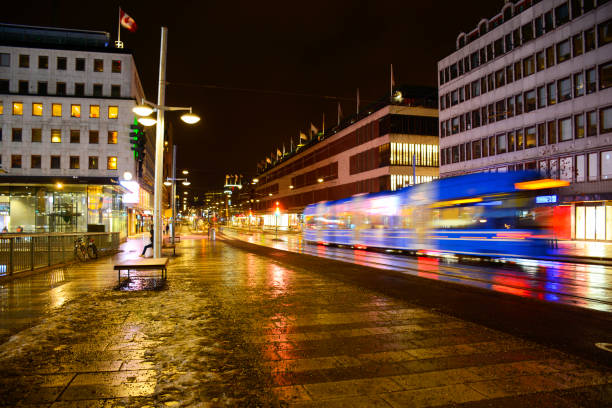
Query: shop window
(578, 84)
(511, 141)
(75, 136)
(540, 61)
(591, 120)
(530, 137)
(37, 109)
(541, 97)
(56, 136)
(93, 137)
(56, 109)
(15, 161)
(579, 126)
(35, 161)
(501, 144)
(36, 135)
(55, 162)
(112, 137)
(589, 40)
(593, 167)
(580, 168)
(530, 100)
(541, 134)
(98, 65)
(79, 64)
(565, 129)
(605, 76)
(61, 63)
(74, 162)
(552, 132)
(113, 112)
(577, 45)
(591, 80)
(605, 120)
(93, 162)
(17, 108)
(564, 90)
(550, 57)
(563, 51)
(94, 111)
(24, 61)
(111, 163)
(16, 135)
(604, 33)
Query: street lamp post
(145, 110)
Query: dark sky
(317, 48)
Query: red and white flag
(127, 21)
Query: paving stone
(455, 394)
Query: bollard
(213, 234)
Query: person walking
(150, 245)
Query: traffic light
(138, 141)
(277, 209)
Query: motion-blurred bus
(489, 215)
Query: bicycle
(84, 248)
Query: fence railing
(26, 252)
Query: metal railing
(26, 252)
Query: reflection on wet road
(588, 286)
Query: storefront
(592, 220)
(62, 208)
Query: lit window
(75, 111)
(74, 162)
(37, 109)
(94, 111)
(93, 162)
(564, 128)
(98, 65)
(17, 108)
(116, 66)
(113, 112)
(112, 137)
(111, 164)
(56, 136)
(1, 108)
(56, 109)
(605, 120)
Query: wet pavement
(584, 285)
(232, 328)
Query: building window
(527, 32)
(501, 144)
(491, 82)
(498, 47)
(36, 135)
(94, 111)
(93, 162)
(530, 101)
(552, 93)
(79, 64)
(548, 21)
(565, 129)
(75, 136)
(578, 84)
(518, 103)
(35, 161)
(43, 62)
(97, 90)
(561, 14)
(511, 141)
(55, 162)
(541, 134)
(580, 168)
(500, 110)
(508, 42)
(98, 65)
(530, 137)
(591, 119)
(16, 161)
(563, 51)
(24, 87)
(5, 59)
(56, 109)
(528, 66)
(75, 111)
(93, 137)
(589, 40)
(577, 46)
(579, 126)
(604, 33)
(591, 81)
(112, 137)
(74, 162)
(605, 120)
(540, 61)
(516, 38)
(37, 109)
(509, 74)
(606, 165)
(17, 108)
(564, 89)
(16, 135)
(605, 76)
(111, 163)
(593, 167)
(475, 89)
(116, 91)
(476, 149)
(520, 141)
(42, 88)
(541, 97)
(60, 88)
(4, 85)
(552, 132)
(539, 26)
(500, 78)
(116, 66)
(24, 61)
(550, 57)
(61, 63)
(79, 89)
(113, 112)
(56, 136)
(566, 168)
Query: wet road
(588, 286)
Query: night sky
(271, 64)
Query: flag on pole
(291, 142)
(313, 129)
(127, 21)
(303, 136)
(278, 152)
(268, 160)
(357, 100)
(323, 126)
(339, 113)
(284, 153)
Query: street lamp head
(167, 183)
(147, 121)
(190, 118)
(185, 172)
(186, 183)
(142, 110)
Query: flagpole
(391, 84)
(338, 113)
(358, 101)
(323, 128)
(119, 26)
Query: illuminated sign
(547, 199)
(133, 196)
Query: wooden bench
(143, 264)
(168, 246)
